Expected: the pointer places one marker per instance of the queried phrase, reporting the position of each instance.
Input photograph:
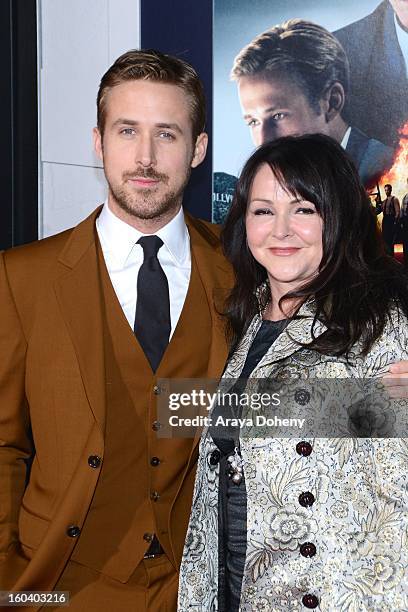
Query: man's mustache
(148, 173)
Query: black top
(232, 510)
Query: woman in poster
(291, 523)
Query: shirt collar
(120, 238)
(346, 137)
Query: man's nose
(266, 133)
(145, 151)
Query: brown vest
(123, 508)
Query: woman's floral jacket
(358, 521)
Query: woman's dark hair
(356, 281)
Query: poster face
(339, 69)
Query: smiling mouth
(284, 251)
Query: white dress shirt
(123, 258)
(345, 138)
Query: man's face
(401, 9)
(387, 190)
(147, 150)
(274, 107)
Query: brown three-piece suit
(78, 395)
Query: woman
(293, 523)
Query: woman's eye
(306, 211)
(263, 211)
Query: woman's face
(284, 233)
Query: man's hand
(396, 380)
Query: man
(294, 79)
(391, 211)
(404, 226)
(377, 49)
(91, 318)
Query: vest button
(94, 461)
(73, 531)
(306, 499)
(154, 461)
(156, 390)
(307, 549)
(304, 448)
(154, 495)
(148, 537)
(310, 601)
(156, 425)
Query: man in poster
(294, 79)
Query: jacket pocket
(32, 528)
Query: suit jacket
(359, 519)
(52, 391)
(378, 100)
(371, 157)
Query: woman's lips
(284, 251)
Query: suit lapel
(79, 296)
(216, 277)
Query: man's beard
(144, 203)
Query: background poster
(375, 39)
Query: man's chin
(148, 209)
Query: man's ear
(200, 149)
(97, 138)
(333, 101)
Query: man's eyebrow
(170, 126)
(270, 109)
(133, 123)
(123, 121)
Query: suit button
(94, 461)
(73, 531)
(154, 461)
(156, 390)
(148, 537)
(214, 458)
(156, 425)
(154, 496)
(310, 601)
(307, 549)
(304, 448)
(306, 499)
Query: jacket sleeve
(15, 441)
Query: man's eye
(278, 116)
(127, 131)
(252, 123)
(166, 136)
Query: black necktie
(152, 320)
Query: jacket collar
(296, 333)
